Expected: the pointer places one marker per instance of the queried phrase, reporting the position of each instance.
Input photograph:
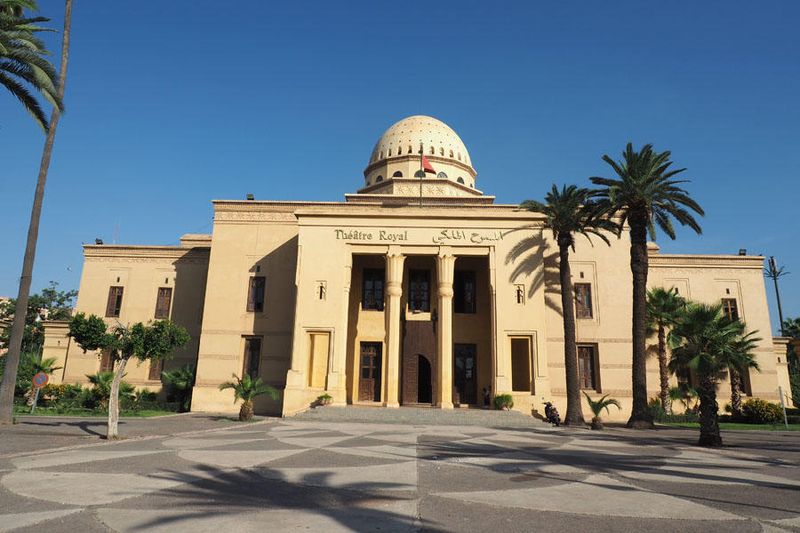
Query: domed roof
(435, 137)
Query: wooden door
(465, 373)
(369, 383)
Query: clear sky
(172, 104)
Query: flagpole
(421, 172)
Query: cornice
(703, 261)
(416, 157)
(138, 253)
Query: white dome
(405, 137)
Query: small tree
(150, 342)
(664, 308)
(597, 407)
(246, 389)
(709, 343)
(179, 384)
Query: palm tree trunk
(662, 369)
(246, 411)
(709, 422)
(574, 415)
(640, 417)
(113, 401)
(736, 392)
(18, 327)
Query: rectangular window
(156, 366)
(583, 300)
(255, 295)
(464, 291)
(419, 294)
(587, 368)
(106, 363)
(114, 304)
(252, 356)
(372, 289)
(163, 302)
(521, 364)
(730, 308)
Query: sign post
(783, 406)
(39, 380)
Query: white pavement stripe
(236, 458)
(9, 522)
(75, 457)
(597, 495)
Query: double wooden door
(369, 382)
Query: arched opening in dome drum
(441, 176)
(379, 179)
(460, 180)
(397, 174)
(409, 148)
(433, 150)
(419, 174)
(441, 152)
(390, 153)
(451, 153)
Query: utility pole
(773, 271)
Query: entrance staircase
(422, 416)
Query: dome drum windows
(441, 176)
(460, 180)
(379, 179)
(397, 174)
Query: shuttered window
(583, 300)
(106, 363)
(730, 308)
(255, 294)
(252, 356)
(156, 366)
(163, 302)
(587, 367)
(114, 304)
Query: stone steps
(423, 416)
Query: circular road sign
(40, 380)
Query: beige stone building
(418, 289)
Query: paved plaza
(320, 475)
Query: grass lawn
(44, 411)
(737, 426)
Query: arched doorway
(424, 380)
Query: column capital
(445, 264)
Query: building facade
(418, 289)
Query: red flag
(426, 166)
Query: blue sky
(181, 102)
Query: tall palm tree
(246, 389)
(644, 195)
(708, 343)
(738, 366)
(568, 212)
(664, 309)
(23, 58)
(179, 383)
(18, 326)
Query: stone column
(394, 289)
(337, 377)
(444, 272)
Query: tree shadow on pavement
(214, 492)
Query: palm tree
(664, 308)
(246, 388)
(18, 326)
(739, 365)
(708, 343)
(101, 384)
(644, 196)
(684, 394)
(46, 365)
(180, 382)
(23, 58)
(568, 212)
(597, 407)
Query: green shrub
(758, 411)
(655, 409)
(503, 401)
(793, 419)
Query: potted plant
(597, 407)
(324, 399)
(503, 402)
